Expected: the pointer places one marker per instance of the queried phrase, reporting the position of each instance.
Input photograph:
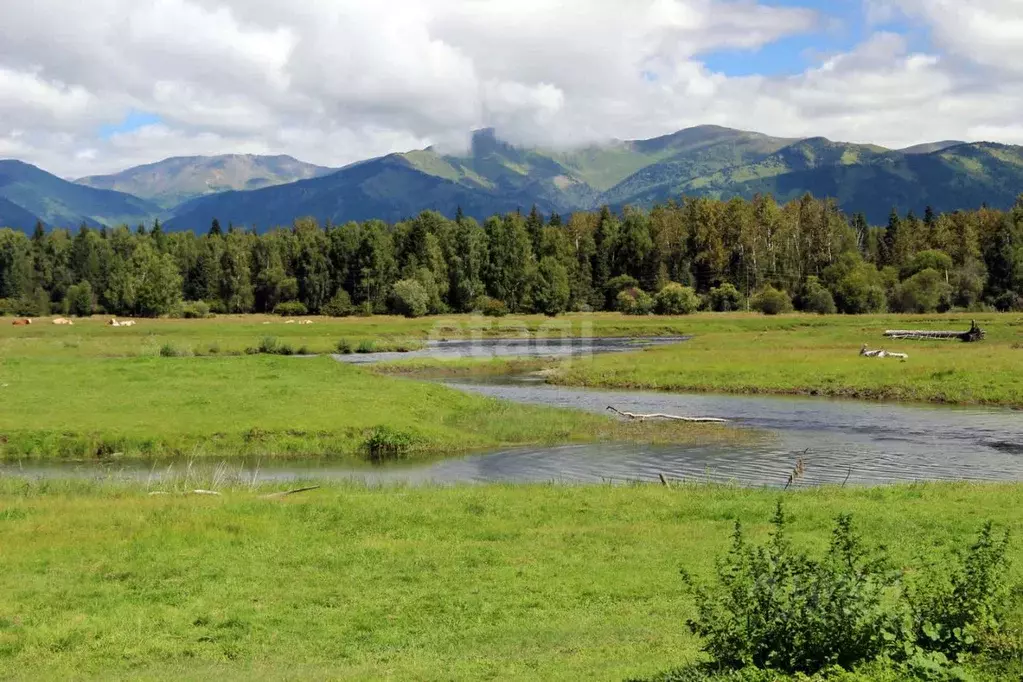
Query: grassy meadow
(808, 355)
(103, 580)
(87, 408)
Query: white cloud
(334, 81)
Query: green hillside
(57, 202)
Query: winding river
(851, 442)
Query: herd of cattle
(63, 321)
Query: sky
(96, 86)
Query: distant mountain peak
(178, 179)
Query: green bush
(344, 347)
(634, 302)
(409, 298)
(491, 307)
(675, 299)
(779, 609)
(340, 305)
(771, 301)
(268, 345)
(168, 350)
(291, 309)
(725, 298)
(192, 310)
(925, 292)
(960, 610)
(366, 346)
(79, 299)
(815, 298)
(385, 443)
(551, 291)
(365, 309)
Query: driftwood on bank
(973, 334)
(286, 493)
(865, 352)
(671, 417)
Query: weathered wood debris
(867, 353)
(672, 417)
(972, 335)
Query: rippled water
(857, 442)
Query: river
(858, 443)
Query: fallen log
(671, 417)
(973, 334)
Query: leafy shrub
(192, 310)
(385, 443)
(291, 309)
(268, 345)
(725, 298)
(925, 292)
(957, 611)
(6, 306)
(634, 302)
(616, 285)
(770, 301)
(168, 350)
(344, 347)
(409, 298)
(366, 346)
(777, 608)
(815, 298)
(340, 305)
(285, 349)
(79, 299)
(675, 299)
(492, 307)
(1009, 301)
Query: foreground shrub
(344, 347)
(366, 346)
(770, 301)
(960, 610)
(775, 612)
(291, 309)
(675, 299)
(778, 608)
(724, 299)
(340, 305)
(409, 298)
(634, 302)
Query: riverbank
(797, 355)
(104, 580)
(274, 407)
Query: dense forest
(678, 257)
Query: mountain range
(494, 176)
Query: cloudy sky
(93, 86)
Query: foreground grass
(101, 580)
(805, 355)
(271, 406)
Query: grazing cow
(24, 322)
(63, 321)
(306, 322)
(113, 323)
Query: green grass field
(808, 355)
(80, 408)
(102, 580)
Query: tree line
(674, 258)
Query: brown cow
(24, 322)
